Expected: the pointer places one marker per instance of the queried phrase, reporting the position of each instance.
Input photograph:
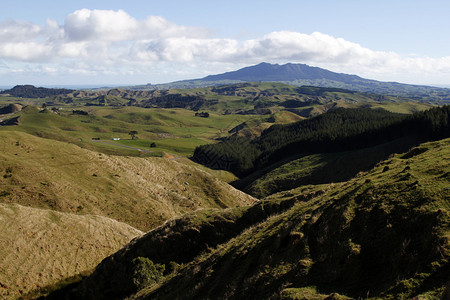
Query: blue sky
(136, 42)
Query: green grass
(175, 131)
(180, 125)
(308, 293)
(381, 235)
(179, 146)
(318, 168)
(141, 191)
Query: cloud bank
(99, 42)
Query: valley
(251, 189)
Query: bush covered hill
(42, 249)
(336, 131)
(319, 168)
(383, 234)
(142, 192)
(30, 91)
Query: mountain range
(301, 75)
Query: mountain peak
(275, 72)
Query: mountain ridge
(276, 72)
(302, 74)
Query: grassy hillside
(39, 248)
(304, 100)
(339, 130)
(318, 168)
(187, 236)
(143, 192)
(176, 131)
(166, 120)
(384, 234)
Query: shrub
(145, 272)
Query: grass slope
(319, 168)
(143, 192)
(186, 237)
(304, 100)
(39, 248)
(176, 131)
(384, 234)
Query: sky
(96, 42)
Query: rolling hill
(142, 192)
(61, 181)
(318, 149)
(383, 234)
(41, 248)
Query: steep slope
(143, 192)
(335, 131)
(320, 168)
(186, 237)
(39, 248)
(384, 234)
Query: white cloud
(105, 25)
(94, 42)
(25, 51)
(19, 31)
(108, 25)
(158, 27)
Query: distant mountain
(301, 75)
(30, 91)
(287, 72)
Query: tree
(133, 134)
(202, 114)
